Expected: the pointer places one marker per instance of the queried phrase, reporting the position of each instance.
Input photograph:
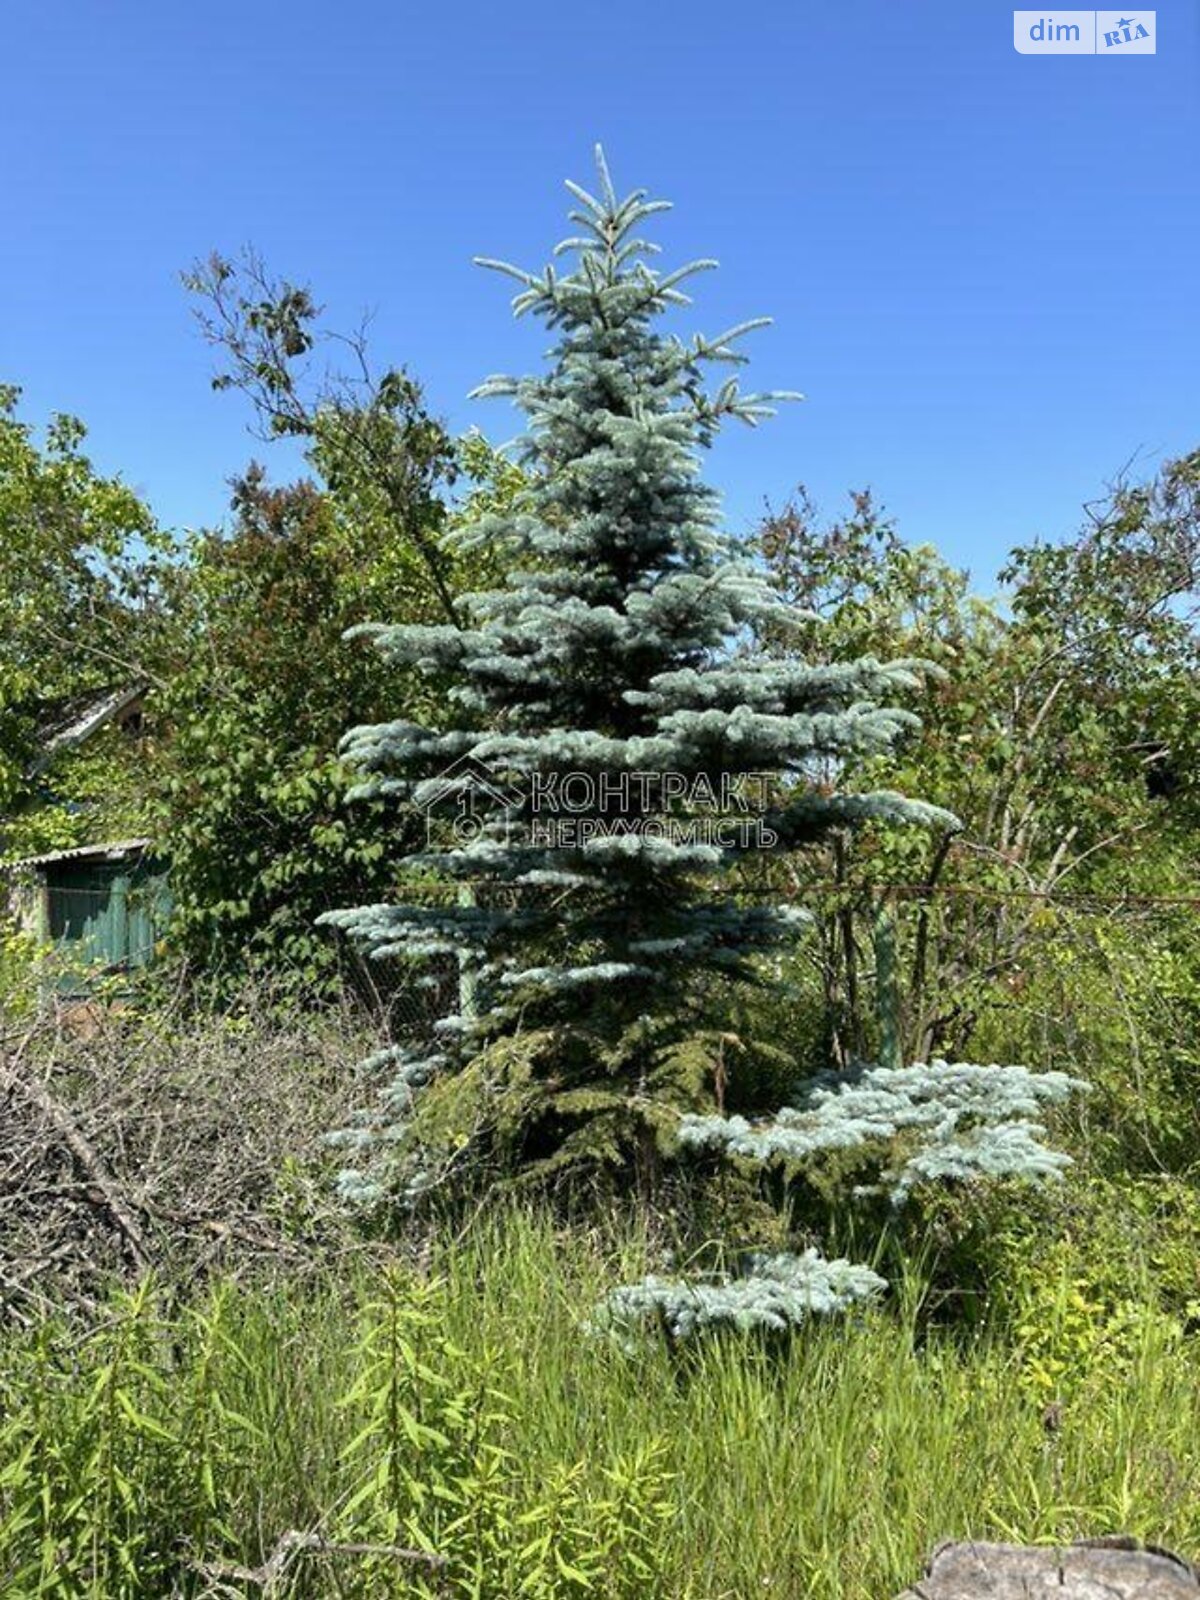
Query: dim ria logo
(1084, 33)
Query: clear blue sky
(983, 267)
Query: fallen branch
(103, 1188)
(293, 1544)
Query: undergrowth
(290, 1442)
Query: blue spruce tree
(619, 752)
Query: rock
(1115, 1568)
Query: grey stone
(1113, 1568)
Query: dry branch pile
(167, 1142)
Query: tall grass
(466, 1412)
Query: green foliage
(1078, 1315)
(530, 1109)
(432, 1469)
(19, 950)
(125, 1471)
(1117, 609)
(74, 611)
(1057, 738)
(252, 797)
(1113, 994)
(382, 458)
(79, 1454)
(258, 682)
(1070, 1334)
(463, 1410)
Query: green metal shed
(104, 905)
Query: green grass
(826, 1468)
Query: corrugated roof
(84, 852)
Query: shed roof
(70, 721)
(114, 851)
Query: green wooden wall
(107, 914)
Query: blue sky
(982, 266)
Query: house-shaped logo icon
(474, 792)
